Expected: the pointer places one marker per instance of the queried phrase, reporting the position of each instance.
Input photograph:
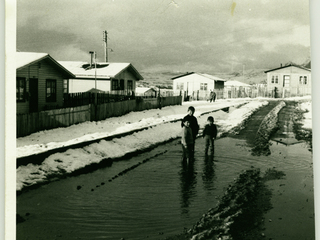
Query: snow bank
(307, 116)
(43, 141)
(73, 159)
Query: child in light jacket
(187, 141)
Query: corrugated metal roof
(25, 58)
(103, 70)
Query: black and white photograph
(161, 120)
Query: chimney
(91, 58)
(280, 64)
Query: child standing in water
(187, 141)
(209, 134)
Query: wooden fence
(85, 98)
(45, 120)
(38, 121)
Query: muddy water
(162, 196)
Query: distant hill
(163, 79)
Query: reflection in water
(208, 172)
(188, 183)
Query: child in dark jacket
(187, 141)
(209, 134)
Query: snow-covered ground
(307, 121)
(55, 138)
(161, 128)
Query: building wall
(41, 70)
(294, 73)
(84, 85)
(192, 83)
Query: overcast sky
(181, 35)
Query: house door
(286, 81)
(33, 94)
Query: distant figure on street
(187, 141)
(209, 135)
(193, 125)
(214, 96)
(211, 96)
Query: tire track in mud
(253, 123)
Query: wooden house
(146, 92)
(39, 82)
(197, 85)
(289, 80)
(115, 78)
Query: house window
(303, 80)
(51, 90)
(121, 84)
(114, 84)
(130, 85)
(65, 86)
(203, 86)
(180, 86)
(272, 79)
(21, 89)
(286, 80)
(276, 81)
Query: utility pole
(94, 55)
(105, 39)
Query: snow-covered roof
(200, 74)
(289, 65)
(212, 77)
(143, 89)
(24, 59)
(104, 70)
(236, 84)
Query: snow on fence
(45, 120)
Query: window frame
(21, 95)
(51, 85)
(65, 85)
(130, 84)
(180, 86)
(203, 86)
(114, 84)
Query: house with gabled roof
(39, 82)
(289, 80)
(197, 85)
(146, 92)
(115, 78)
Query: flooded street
(161, 196)
(154, 195)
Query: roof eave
(54, 61)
